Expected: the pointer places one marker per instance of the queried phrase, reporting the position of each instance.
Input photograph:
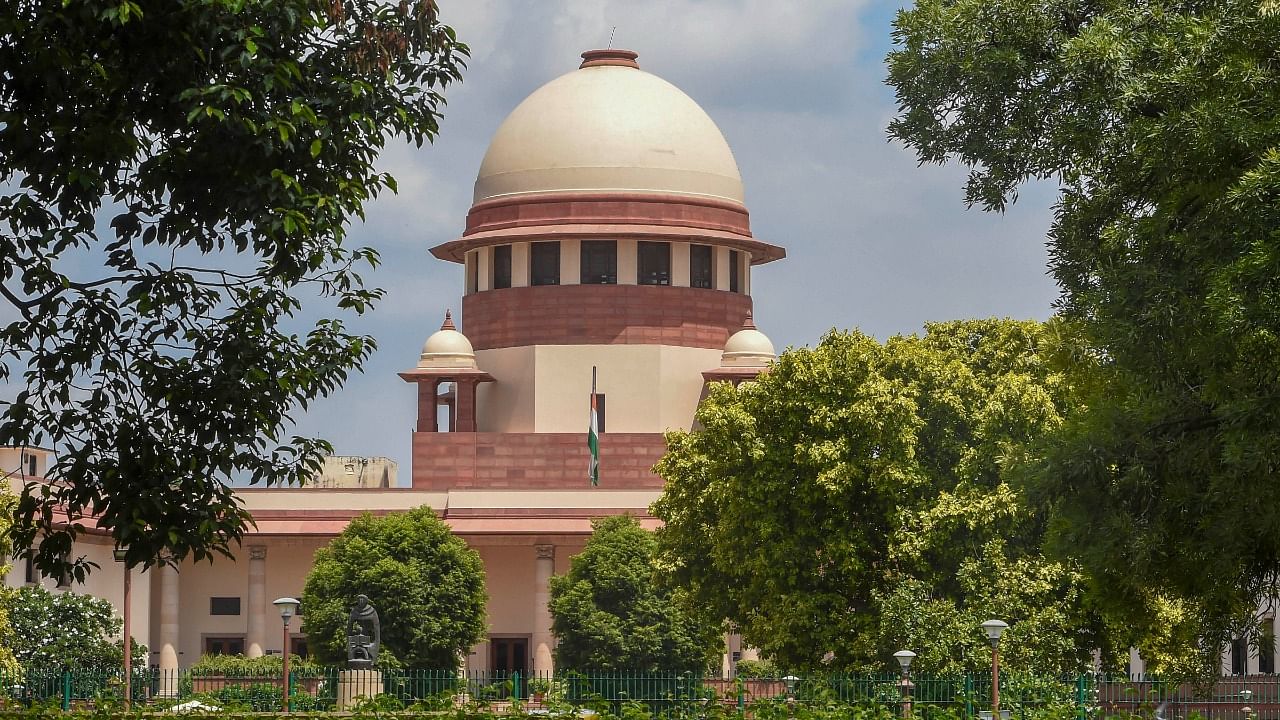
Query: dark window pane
(30, 570)
(653, 263)
(501, 267)
(700, 267)
(734, 261)
(1267, 647)
(599, 262)
(544, 263)
(224, 645)
(473, 277)
(1239, 656)
(224, 606)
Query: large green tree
(1160, 122)
(176, 177)
(609, 613)
(856, 499)
(426, 584)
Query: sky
(873, 240)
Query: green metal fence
(1085, 697)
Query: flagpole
(593, 436)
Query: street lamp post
(904, 658)
(288, 607)
(791, 681)
(994, 629)
(120, 555)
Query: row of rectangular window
(599, 265)
(234, 645)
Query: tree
(177, 177)
(856, 499)
(610, 614)
(8, 663)
(426, 584)
(1160, 120)
(66, 630)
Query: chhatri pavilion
(608, 231)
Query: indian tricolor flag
(593, 435)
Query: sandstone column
(256, 629)
(544, 567)
(167, 576)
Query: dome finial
(448, 321)
(748, 323)
(610, 56)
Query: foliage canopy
(66, 629)
(856, 499)
(1160, 120)
(426, 584)
(176, 177)
(8, 663)
(608, 613)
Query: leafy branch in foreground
(177, 179)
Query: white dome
(609, 127)
(447, 348)
(748, 348)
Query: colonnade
(257, 606)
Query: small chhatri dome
(609, 127)
(748, 347)
(447, 348)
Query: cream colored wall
(288, 562)
(484, 256)
(682, 390)
(544, 388)
(468, 261)
(509, 574)
(628, 262)
(680, 264)
(509, 578)
(11, 461)
(506, 405)
(293, 498)
(355, 471)
(570, 262)
(648, 388)
(720, 271)
(520, 264)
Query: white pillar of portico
(167, 576)
(544, 567)
(255, 641)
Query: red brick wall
(533, 461)
(603, 315)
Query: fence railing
(1084, 697)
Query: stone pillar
(427, 409)
(356, 684)
(255, 641)
(465, 402)
(544, 567)
(167, 576)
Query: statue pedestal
(354, 684)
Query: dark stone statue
(364, 634)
